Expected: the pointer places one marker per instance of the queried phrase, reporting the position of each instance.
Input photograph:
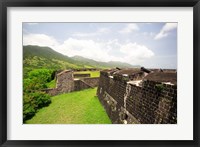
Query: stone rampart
(143, 98)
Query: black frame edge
(101, 3)
(3, 78)
(196, 79)
(3, 74)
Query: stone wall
(51, 91)
(148, 102)
(85, 83)
(65, 83)
(80, 85)
(93, 82)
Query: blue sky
(152, 45)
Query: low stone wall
(85, 83)
(81, 75)
(93, 82)
(80, 85)
(51, 91)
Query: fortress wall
(129, 98)
(147, 103)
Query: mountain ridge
(45, 57)
(110, 64)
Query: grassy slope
(82, 107)
(45, 57)
(51, 84)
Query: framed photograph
(88, 73)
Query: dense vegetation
(82, 107)
(33, 97)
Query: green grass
(51, 84)
(92, 73)
(82, 107)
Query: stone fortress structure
(129, 96)
(67, 81)
(139, 96)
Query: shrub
(34, 101)
(41, 99)
(28, 111)
(33, 98)
(41, 75)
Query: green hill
(35, 57)
(45, 57)
(111, 64)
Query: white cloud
(129, 28)
(136, 52)
(132, 53)
(166, 29)
(100, 31)
(111, 50)
(39, 39)
(85, 48)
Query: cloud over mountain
(111, 50)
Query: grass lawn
(52, 84)
(82, 107)
(92, 73)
